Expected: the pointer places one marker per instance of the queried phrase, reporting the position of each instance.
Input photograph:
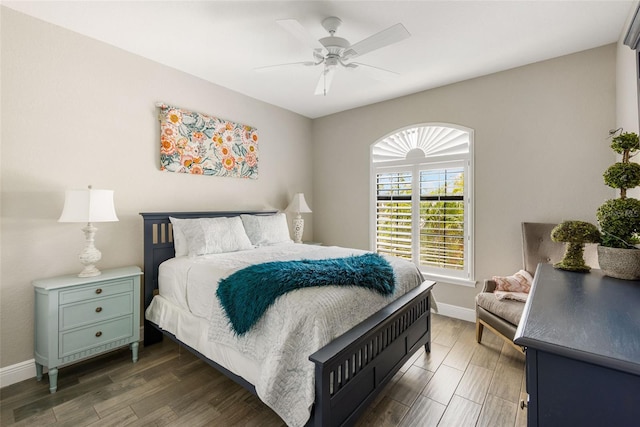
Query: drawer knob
(98, 291)
(98, 334)
(523, 404)
(98, 309)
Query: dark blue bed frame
(352, 369)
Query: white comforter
(295, 326)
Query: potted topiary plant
(575, 234)
(619, 219)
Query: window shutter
(422, 199)
(442, 234)
(393, 213)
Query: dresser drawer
(96, 290)
(95, 335)
(95, 310)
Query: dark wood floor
(460, 383)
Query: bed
(347, 373)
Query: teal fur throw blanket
(246, 294)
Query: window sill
(448, 279)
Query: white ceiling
(451, 41)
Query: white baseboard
(25, 370)
(457, 312)
(18, 372)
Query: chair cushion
(509, 310)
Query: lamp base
(89, 271)
(298, 228)
(89, 255)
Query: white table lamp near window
(298, 206)
(89, 206)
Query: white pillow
(213, 235)
(265, 230)
(179, 239)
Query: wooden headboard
(158, 247)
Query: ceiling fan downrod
(334, 45)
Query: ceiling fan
(332, 51)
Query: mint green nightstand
(81, 317)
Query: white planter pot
(619, 263)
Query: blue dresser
(80, 317)
(582, 338)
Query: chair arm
(489, 285)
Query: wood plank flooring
(460, 383)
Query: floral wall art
(205, 145)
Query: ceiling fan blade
(298, 31)
(376, 73)
(324, 82)
(277, 66)
(379, 40)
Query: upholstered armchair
(502, 316)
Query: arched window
(422, 199)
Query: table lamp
(89, 206)
(298, 206)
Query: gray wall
(540, 151)
(76, 112)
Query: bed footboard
(352, 370)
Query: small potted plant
(619, 219)
(575, 234)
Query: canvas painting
(199, 144)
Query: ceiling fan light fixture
(331, 61)
(317, 54)
(333, 51)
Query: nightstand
(81, 317)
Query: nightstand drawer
(95, 335)
(95, 310)
(96, 290)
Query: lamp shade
(88, 206)
(298, 204)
